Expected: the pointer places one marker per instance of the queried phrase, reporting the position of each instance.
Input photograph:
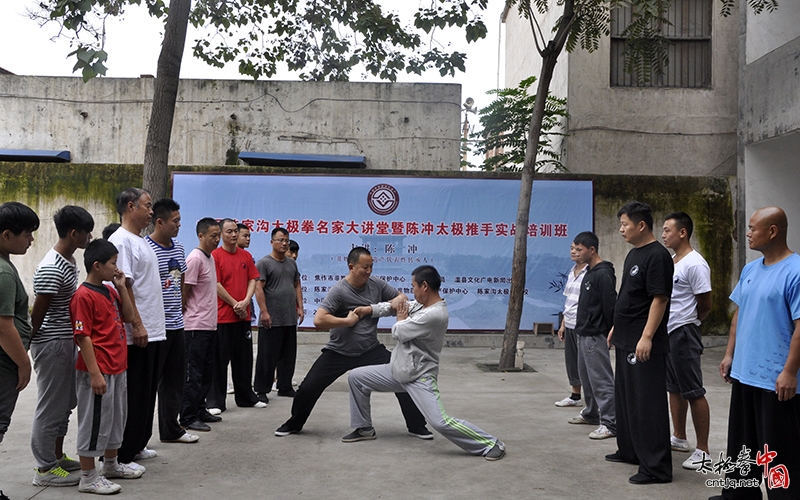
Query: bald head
(767, 229)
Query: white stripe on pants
(425, 393)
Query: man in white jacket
(414, 368)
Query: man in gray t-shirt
(353, 342)
(280, 300)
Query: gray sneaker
(497, 452)
(55, 477)
(99, 485)
(360, 434)
(68, 464)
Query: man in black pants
(642, 345)
(350, 346)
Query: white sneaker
(568, 401)
(123, 471)
(99, 485)
(601, 432)
(215, 411)
(678, 444)
(698, 458)
(145, 454)
(260, 404)
(230, 389)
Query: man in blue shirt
(761, 363)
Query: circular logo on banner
(383, 199)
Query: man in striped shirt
(172, 362)
(53, 348)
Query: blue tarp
(298, 160)
(40, 155)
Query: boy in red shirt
(97, 311)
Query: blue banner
(463, 227)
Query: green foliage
(506, 123)
(319, 39)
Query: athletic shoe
(230, 389)
(497, 452)
(55, 477)
(99, 485)
(209, 418)
(260, 404)
(568, 401)
(285, 430)
(262, 396)
(679, 444)
(423, 433)
(580, 420)
(214, 411)
(360, 434)
(68, 464)
(642, 478)
(290, 393)
(123, 471)
(185, 438)
(198, 426)
(145, 454)
(696, 460)
(601, 432)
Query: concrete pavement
(546, 457)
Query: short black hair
(355, 255)
(587, 239)
(72, 217)
(638, 212)
(205, 223)
(427, 274)
(110, 229)
(99, 250)
(241, 226)
(126, 196)
(17, 217)
(682, 221)
(279, 230)
(293, 246)
(164, 207)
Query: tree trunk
(520, 259)
(165, 94)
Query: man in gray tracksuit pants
(414, 367)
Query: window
(689, 50)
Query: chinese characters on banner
(463, 227)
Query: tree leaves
(506, 123)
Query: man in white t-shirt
(200, 319)
(689, 305)
(147, 330)
(566, 334)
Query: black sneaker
(289, 393)
(497, 452)
(198, 426)
(285, 430)
(262, 396)
(360, 434)
(423, 433)
(209, 418)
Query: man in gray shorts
(690, 304)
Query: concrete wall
(47, 187)
(769, 117)
(396, 126)
(643, 131)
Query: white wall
(396, 126)
(769, 30)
